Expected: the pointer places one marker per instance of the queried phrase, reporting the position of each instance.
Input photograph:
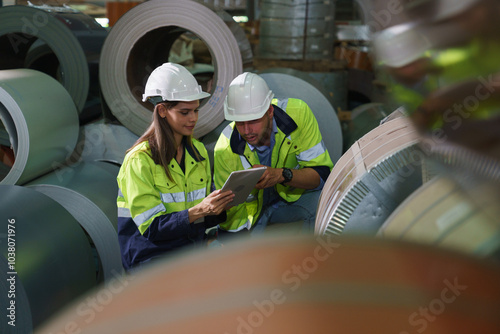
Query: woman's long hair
(161, 139)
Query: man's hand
(304, 178)
(270, 178)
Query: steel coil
(140, 41)
(18, 317)
(53, 258)
(443, 213)
(239, 34)
(301, 285)
(370, 180)
(297, 29)
(58, 40)
(100, 141)
(41, 120)
(335, 84)
(364, 118)
(288, 83)
(88, 191)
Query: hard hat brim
(188, 98)
(244, 118)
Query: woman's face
(182, 117)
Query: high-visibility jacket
(298, 144)
(152, 209)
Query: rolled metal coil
(101, 141)
(41, 120)
(88, 191)
(53, 258)
(69, 44)
(443, 213)
(140, 41)
(369, 181)
(15, 301)
(364, 118)
(297, 29)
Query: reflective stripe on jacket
(298, 144)
(152, 209)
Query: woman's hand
(212, 205)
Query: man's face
(257, 132)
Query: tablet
(242, 182)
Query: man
(281, 134)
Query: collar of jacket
(284, 123)
(188, 148)
(192, 150)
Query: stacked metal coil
(17, 311)
(140, 41)
(102, 141)
(370, 180)
(50, 256)
(63, 240)
(364, 118)
(297, 29)
(442, 213)
(41, 121)
(88, 191)
(239, 34)
(59, 41)
(457, 207)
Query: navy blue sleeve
(323, 171)
(211, 221)
(170, 226)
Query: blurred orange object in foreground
(298, 285)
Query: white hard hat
(400, 45)
(172, 82)
(248, 98)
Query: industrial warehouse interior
(399, 101)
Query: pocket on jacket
(162, 182)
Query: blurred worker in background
(443, 66)
(281, 134)
(165, 201)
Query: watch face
(287, 174)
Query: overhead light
(240, 19)
(103, 21)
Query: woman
(165, 176)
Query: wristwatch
(287, 174)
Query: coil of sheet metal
(369, 181)
(140, 41)
(364, 118)
(88, 191)
(101, 141)
(18, 317)
(53, 258)
(297, 29)
(58, 41)
(442, 213)
(41, 120)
